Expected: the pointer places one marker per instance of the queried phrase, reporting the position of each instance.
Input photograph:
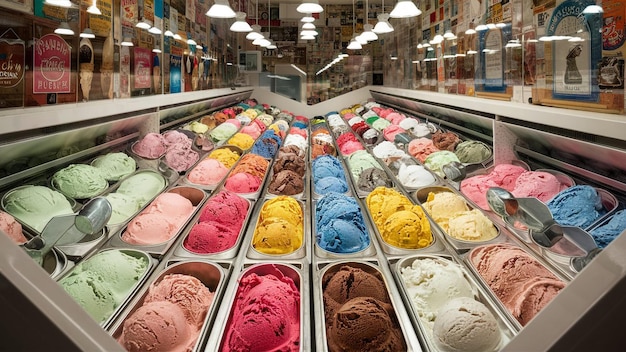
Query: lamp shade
(359, 38)
(64, 29)
(240, 25)
(307, 18)
(354, 45)
(368, 33)
(87, 33)
(405, 9)
(310, 6)
(155, 30)
(59, 3)
(307, 37)
(255, 34)
(127, 42)
(308, 32)
(383, 25)
(221, 9)
(308, 25)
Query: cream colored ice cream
(444, 205)
(471, 225)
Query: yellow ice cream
(252, 113)
(225, 156)
(444, 205)
(280, 227)
(241, 140)
(472, 225)
(400, 222)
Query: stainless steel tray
(180, 252)
(196, 197)
(213, 276)
(507, 331)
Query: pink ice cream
(219, 225)
(151, 146)
(242, 182)
(160, 221)
(390, 132)
(421, 148)
(541, 185)
(181, 158)
(12, 228)
(503, 175)
(208, 172)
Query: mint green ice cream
(123, 207)
(223, 132)
(361, 160)
(36, 205)
(472, 152)
(436, 160)
(114, 166)
(79, 181)
(143, 186)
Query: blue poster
(175, 73)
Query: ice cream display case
(332, 263)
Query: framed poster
(250, 61)
(20, 5)
(575, 61)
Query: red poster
(143, 58)
(52, 65)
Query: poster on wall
(175, 73)
(51, 65)
(124, 72)
(20, 5)
(101, 24)
(492, 53)
(575, 61)
(11, 69)
(142, 63)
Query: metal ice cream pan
(324, 270)
(468, 263)
(301, 281)
(251, 195)
(196, 197)
(211, 187)
(298, 196)
(299, 253)
(459, 245)
(180, 251)
(609, 203)
(507, 330)
(114, 227)
(369, 251)
(435, 246)
(213, 276)
(133, 290)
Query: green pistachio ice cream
(436, 160)
(472, 152)
(142, 186)
(101, 283)
(115, 166)
(36, 205)
(80, 181)
(359, 161)
(123, 207)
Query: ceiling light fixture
(59, 3)
(354, 44)
(87, 33)
(221, 9)
(93, 9)
(307, 37)
(593, 9)
(127, 42)
(383, 25)
(155, 30)
(449, 35)
(156, 49)
(368, 33)
(405, 9)
(64, 29)
(240, 25)
(168, 33)
(308, 18)
(310, 6)
(308, 32)
(308, 25)
(255, 34)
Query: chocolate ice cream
(288, 161)
(286, 183)
(445, 140)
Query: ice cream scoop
(536, 216)
(89, 220)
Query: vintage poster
(575, 61)
(129, 12)
(142, 66)
(101, 24)
(175, 73)
(51, 65)
(492, 53)
(124, 72)
(12, 59)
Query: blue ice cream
(577, 206)
(267, 145)
(328, 175)
(340, 227)
(607, 232)
(299, 124)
